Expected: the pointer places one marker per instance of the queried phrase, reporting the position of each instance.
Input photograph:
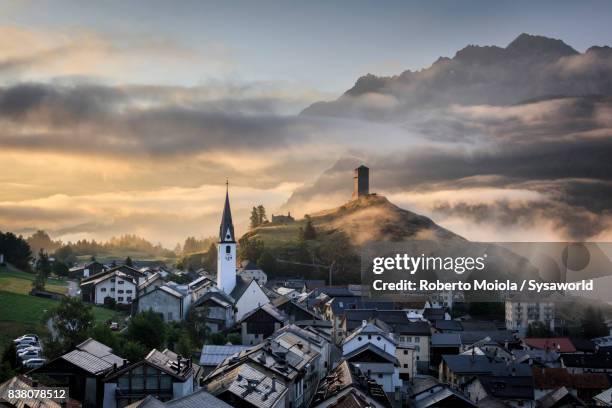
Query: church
(245, 293)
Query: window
(405, 365)
(120, 299)
(379, 375)
(417, 339)
(369, 337)
(112, 289)
(228, 249)
(120, 291)
(128, 291)
(409, 339)
(169, 315)
(359, 338)
(112, 280)
(103, 290)
(120, 282)
(129, 298)
(405, 351)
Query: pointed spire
(226, 231)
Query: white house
(373, 349)
(116, 285)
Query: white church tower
(226, 256)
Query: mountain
(530, 67)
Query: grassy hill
(341, 233)
(21, 313)
(368, 219)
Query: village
(299, 343)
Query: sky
(128, 117)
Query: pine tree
(43, 269)
(309, 231)
(261, 212)
(255, 218)
(128, 262)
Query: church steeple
(226, 230)
(226, 250)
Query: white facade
(252, 298)
(382, 342)
(385, 374)
(118, 287)
(226, 266)
(406, 357)
(519, 315)
(420, 344)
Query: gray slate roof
(213, 355)
(467, 364)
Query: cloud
(167, 215)
(557, 150)
(40, 55)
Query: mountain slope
(369, 219)
(529, 67)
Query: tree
(538, 329)
(234, 338)
(250, 249)
(72, 319)
(9, 355)
(41, 240)
(148, 327)
(60, 269)
(133, 350)
(128, 262)
(101, 332)
(218, 339)
(43, 270)
(261, 213)
(16, 250)
(309, 231)
(210, 258)
(184, 346)
(593, 324)
(255, 222)
(267, 262)
(65, 255)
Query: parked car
(26, 337)
(28, 354)
(23, 346)
(27, 343)
(31, 348)
(114, 326)
(34, 362)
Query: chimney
(273, 388)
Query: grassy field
(17, 281)
(21, 313)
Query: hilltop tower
(226, 255)
(362, 182)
